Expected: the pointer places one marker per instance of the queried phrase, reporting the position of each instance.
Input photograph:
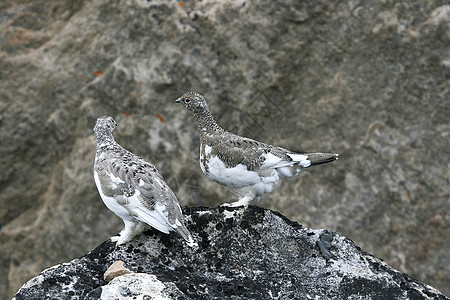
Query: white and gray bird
(247, 167)
(133, 189)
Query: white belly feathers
(110, 202)
(235, 177)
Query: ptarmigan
(133, 189)
(247, 167)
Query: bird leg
(130, 230)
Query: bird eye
(187, 100)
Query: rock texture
(366, 79)
(250, 253)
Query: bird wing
(148, 198)
(255, 155)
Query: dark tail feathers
(321, 158)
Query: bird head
(105, 124)
(193, 101)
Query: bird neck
(206, 123)
(104, 139)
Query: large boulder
(242, 253)
(366, 79)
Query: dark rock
(324, 243)
(255, 254)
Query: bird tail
(321, 158)
(186, 235)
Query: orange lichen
(127, 114)
(181, 3)
(160, 117)
(98, 73)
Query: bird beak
(178, 100)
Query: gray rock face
(366, 79)
(243, 253)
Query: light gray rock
(243, 253)
(368, 80)
(135, 285)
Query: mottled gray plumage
(248, 167)
(133, 188)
